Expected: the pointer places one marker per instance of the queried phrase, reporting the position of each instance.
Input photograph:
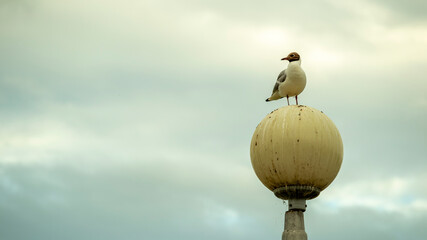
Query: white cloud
(393, 195)
(139, 115)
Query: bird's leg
(296, 99)
(287, 98)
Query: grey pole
(294, 220)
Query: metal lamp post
(296, 152)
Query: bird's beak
(286, 58)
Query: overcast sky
(132, 119)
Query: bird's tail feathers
(274, 96)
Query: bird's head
(293, 56)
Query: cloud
(135, 201)
(395, 195)
(409, 12)
(126, 119)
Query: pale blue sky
(132, 119)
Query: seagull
(291, 81)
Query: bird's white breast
(295, 80)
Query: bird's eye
(293, 55)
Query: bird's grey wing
(281, 78)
